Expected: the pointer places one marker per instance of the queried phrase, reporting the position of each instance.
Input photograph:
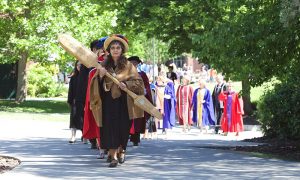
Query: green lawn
(34, 116)
(35, 110)
(258, 92)
(34, 106)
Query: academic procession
(109, 118)
(148, 87)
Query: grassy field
(33, 106)
(34, 116)
(35, 110)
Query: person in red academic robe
(139, 125)
(232, 120)
(184, 98)
(90, 128)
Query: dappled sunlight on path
(46, 154)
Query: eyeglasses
(115, 48)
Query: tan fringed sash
(134, 82)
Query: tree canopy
(244, 39)
(29, 29)
(251, 41)
(32, 26)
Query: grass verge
(34, 116)
(34, 106)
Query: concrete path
(43, 148)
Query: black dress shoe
(93, 146)
(121, 156)
(106, 151)
(71, 142)
(109, 159)
(121, 159)
(113, 163)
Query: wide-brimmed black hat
(135, 58)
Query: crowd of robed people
(108, 118)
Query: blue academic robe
(208, 116)
(169, 106)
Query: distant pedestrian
(203, 73)
(203, 113)
(76, 116)
(184, 98)
(169, 107)
(139, 124)
(218, 105)
(171, 75)
(151, 124)
(232, 120)
(159, 99)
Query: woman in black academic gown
(76, 116)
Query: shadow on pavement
(153, 159)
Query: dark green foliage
(249, 41)
(279, 110)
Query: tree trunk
(248, 110)
(21, 83)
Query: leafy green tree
(246, 40)
(279, 107)
(148, 49)
(29, 28)
(250, 44)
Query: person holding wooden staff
(111, 106)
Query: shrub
(41, 83)
(279, 110)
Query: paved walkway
(45, 154)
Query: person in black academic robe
(76, 118)
(113, 109)
(171, 75)
(218, 105)
(139, 124)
